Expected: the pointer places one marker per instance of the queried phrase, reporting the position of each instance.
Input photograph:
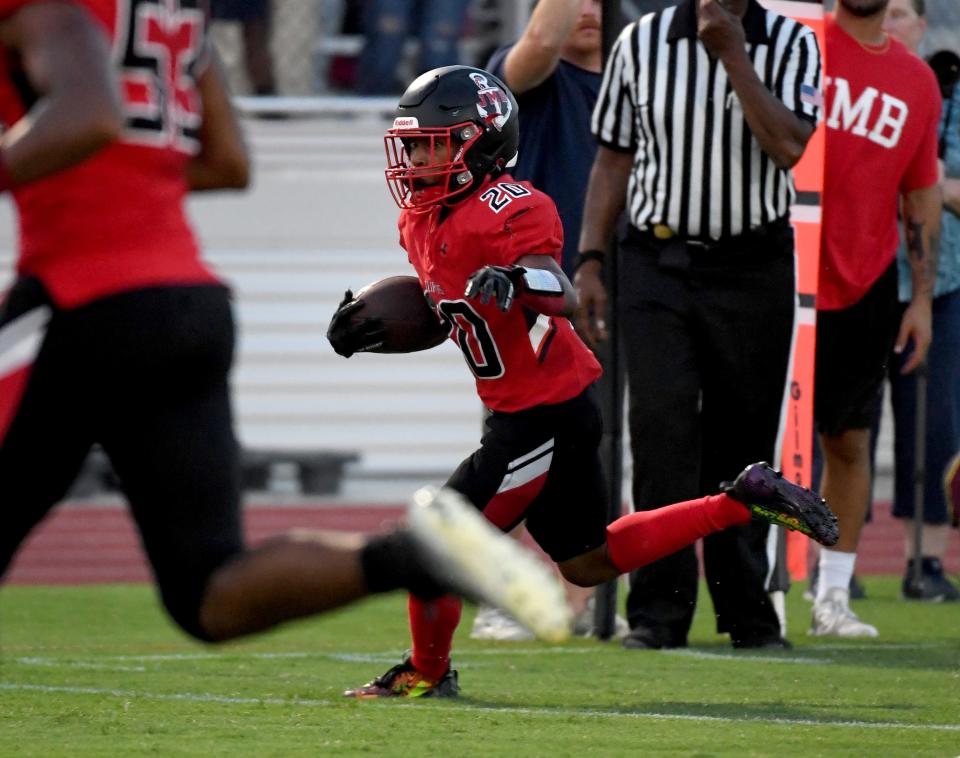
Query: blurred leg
(45, 413)
(256, 49)
(386, 25)
(441, 26)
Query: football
(408, 320)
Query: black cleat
(781, 502)
(403, 680)
(933, 587)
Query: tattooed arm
(921, 213)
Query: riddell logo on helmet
(492, 102)
(406, 122)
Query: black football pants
(707, 338)
(144, 374)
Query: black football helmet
(468, 120)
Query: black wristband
(588, 255)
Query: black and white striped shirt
(697, 167)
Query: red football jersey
(520, 359)
(116, 221)
(883, 107)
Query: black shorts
(542, 465)
(144, 374)
(853, 348)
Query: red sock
(432, 624)
(646, 536)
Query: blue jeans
(438, 25)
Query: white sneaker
(493, 624)
(832, 617)
(485, 565)
(583, 623)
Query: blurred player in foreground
(115, 332)
(486, 249)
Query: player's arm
(536, 282)
(780, 132)
(537, 52)
(921, 222)
(223, 161)
(545, 298)
(66, 61)
(605, 200)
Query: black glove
(498, 283)
(347, 336)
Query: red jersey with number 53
(520, 358)
(116, 221)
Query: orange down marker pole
(797, 442)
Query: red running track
(90, 544)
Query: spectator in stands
(254, 17)
(331, 17)
(115, 332)
(906, 21)
(439, 25)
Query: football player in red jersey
(115, 332)
(486, 249)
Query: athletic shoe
(493, 624)
(781, 502)
(641, 638)
(857, 590)
(832, 617)
(762, 643)
(403, 680)
(934, 587)
(583, 623)
(481, 563)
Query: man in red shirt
(115, 332)
(487, 251)
(882, 111)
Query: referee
(703, 110)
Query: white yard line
(77, 664)
(345, 656)
(704, 654)
(453, 707)
(461, 654)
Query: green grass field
(98, 671)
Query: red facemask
(447, 181)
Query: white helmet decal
(493, 104)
